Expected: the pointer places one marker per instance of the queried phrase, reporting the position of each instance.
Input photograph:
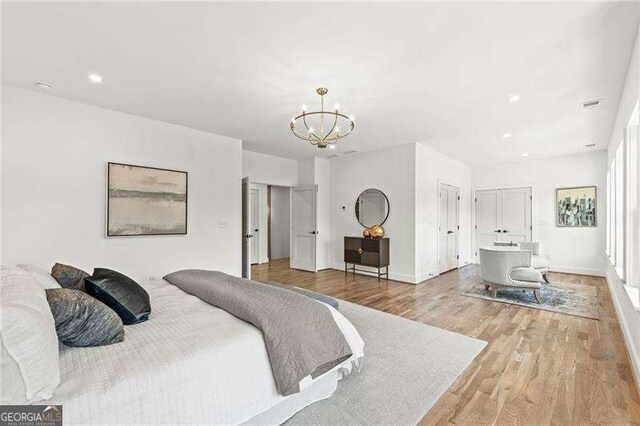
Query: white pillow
(43, 277)
(29, 340)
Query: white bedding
(190, 363)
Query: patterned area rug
(566, 298)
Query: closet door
(448, 228)
(516, 214)
(488, 217)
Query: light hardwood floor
(538, 368)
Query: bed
(190, 363)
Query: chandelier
(322, 120)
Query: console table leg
(345, 268)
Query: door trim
(534, 212)
(439, 198)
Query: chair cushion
(525, 274)
(538, 262)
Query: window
(632, 236)
(608, 194)
(623, 205)
(611, 212)
(619, 214)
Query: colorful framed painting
(145, 201)
(576, 207)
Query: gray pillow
(82, 320)
(69, 276)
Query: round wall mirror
(372, 208)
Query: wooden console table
(371, 252)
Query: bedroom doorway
(279, 222)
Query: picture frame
(577, 207)
(146, 201)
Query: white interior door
(488, 220)
(255, 228)
(448, 227)
(516, 214)
(246, 228)
(303, 227)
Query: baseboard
(578, 271)
(632, 351)
(405, 278)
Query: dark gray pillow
(69, 276)
(122, 294)
(82, 320)
(312, 294)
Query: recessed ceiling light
(525, 154)
(506, 135)
(332, 146)
(514, 98)
(95, 78)
(43, 86)
(590, 145)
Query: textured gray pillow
(82, 320)
(69, 276)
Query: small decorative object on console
(366, 233)
(377, 231)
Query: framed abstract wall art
(576, 207)
(145, 201)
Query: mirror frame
(356, 209)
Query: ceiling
(436, 73)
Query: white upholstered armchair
(538, 262)
(504, 268)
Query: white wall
(318, 171)
(627, 314)
(269, 169)
(280, 222)
(574, 250)
(54, 188)
(433, 168)
(391, 170)
(322, 173)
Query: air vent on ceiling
(333, 156)
(353, 151)
(590, 145)
(591, 104)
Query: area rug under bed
(566, 298)
(408, 366)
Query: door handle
(314, 232)
(505, 231)
(248, 236)
(255, 230)
(449, 232)
(498, 231)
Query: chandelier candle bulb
(329, 130)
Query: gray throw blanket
(300, 334)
